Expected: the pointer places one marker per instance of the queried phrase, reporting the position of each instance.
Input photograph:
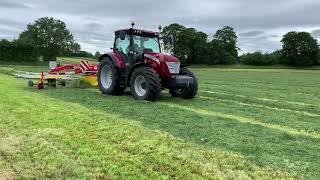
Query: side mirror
(122, 35)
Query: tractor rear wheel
(175, 92)
(188, 92)
(109, 78)
(145, 84)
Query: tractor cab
(131, 44)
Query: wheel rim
(106, 77)
(140, 86)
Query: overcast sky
(260, 24)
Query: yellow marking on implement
(53, 77)
(92, 80)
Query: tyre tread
(116, 89)
(153, 80)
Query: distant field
(5, 67)
(9, 68)
(75, 60)
(244, 124)
(241, 66)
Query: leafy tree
(75, 48)
(16, 51)
(172, 30)
(84, 54)
(6, 50)
(215, 53)
(299, 48)
(223, 49)
(218, 55)
(50, 36)
(260, 59)
(97, 55)
(227, 38)
(191, 46)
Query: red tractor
(137, 62)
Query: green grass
(245, 124)
(76, 60)
(41, 66)
(242, 66)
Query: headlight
(174, 67)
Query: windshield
(141, 43)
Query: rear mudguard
(117, 61)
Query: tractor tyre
(188, 92)
(40, 86)
(145, 84)
(175, 92)
(109, 78)
(51, 82)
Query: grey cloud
(10, 29)
(256, 14)
(264, 43)
(11, 22)
(6, 33)
(316, 33)
(274, 36)
(12, 4)
(94, 25)
(93, 36)
(260, 23)
(251, 33)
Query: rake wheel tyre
(145, 84)
(109, 78)
(30, 83)
(40, 86)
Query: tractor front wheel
(109, 78)
(188, 92)
(145, 84)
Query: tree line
(45, 39)
(298, 49)
(194, 47)
(48, 38)
(17, 51)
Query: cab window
(141, 43)
(123, 45)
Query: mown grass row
(256, 126)
(80, 134)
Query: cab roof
(138, 32)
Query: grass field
(244, 124)
(40, 67)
